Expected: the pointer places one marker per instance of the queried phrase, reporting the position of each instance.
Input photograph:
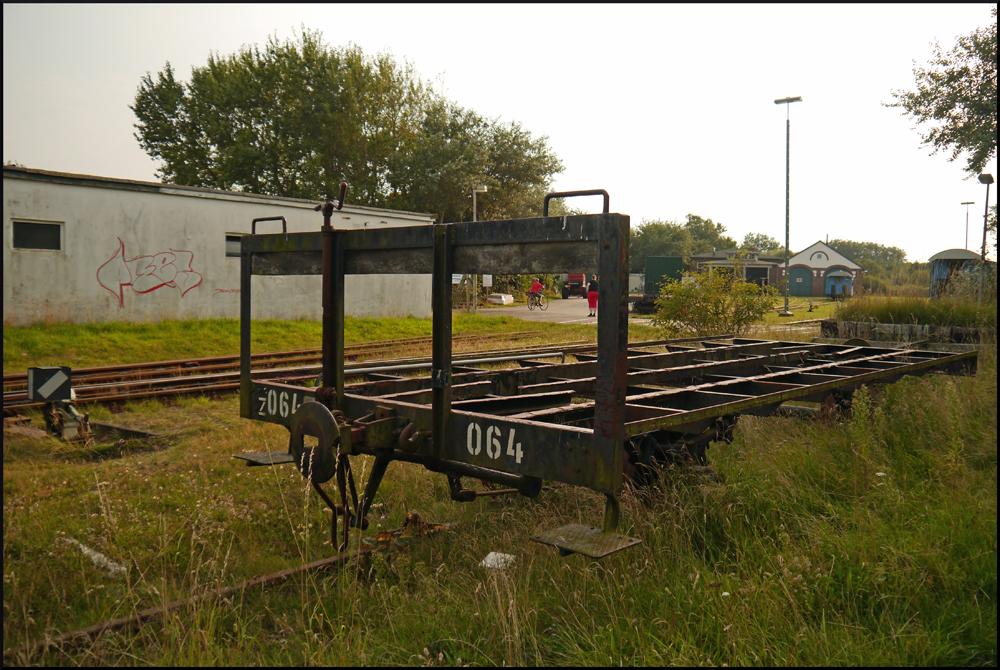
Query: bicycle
(539, 301)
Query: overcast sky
(669, 108)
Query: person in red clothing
(592, 295)
(536, 290)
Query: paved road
(571, 310)
(574, 310)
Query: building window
(38, 235)
(233, 246)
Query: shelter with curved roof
(945, 264)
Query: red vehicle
(574, 285)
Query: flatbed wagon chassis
(577, 423)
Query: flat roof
(33, 174)
(726, 253)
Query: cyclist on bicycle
(536, 290)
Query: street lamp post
(788, 140)
(967, 222)
(475, 289)
(984, 179)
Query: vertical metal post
(333, 310)
(967, 222)
(474, 278)
(337, 336)
(245, 274)
(788, 153)
(441, 337)
(612, 346)
(788, 186)
(986, 218)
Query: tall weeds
(947, 312)
(860, 538)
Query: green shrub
(711, 302)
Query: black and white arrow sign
(49, 384)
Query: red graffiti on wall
(144, 274)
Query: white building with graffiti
(80, 248)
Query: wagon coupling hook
(410, 438)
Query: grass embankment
(864, 540)
(822, 308)
(926, 311)
(117, 343)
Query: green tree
(293, 119)
(957, 95)
(455, 149)
(868, 252)
(298, 117)
(886, 270)
(762, 243)
(519, 173)
(707, 235)
(713, 301)
(442, 163)
(657, 238)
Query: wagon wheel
(837, 403)
(648, 455)
(643, 465)
(724, 427)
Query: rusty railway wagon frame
(583, 424)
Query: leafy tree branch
(956, 96)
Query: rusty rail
(124, 383)
(17, 380)
(22, 655)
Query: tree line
(695, 235)
(886, 268)
(295, 118)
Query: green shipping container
(660, 269)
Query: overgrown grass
(868, 539)
(115, 343)
(898, 280)
(928, 311)
(822, 308)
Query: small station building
(819, 270)
(816, 271)
(764, 269)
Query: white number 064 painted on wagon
(493, 445)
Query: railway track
(119, 383)
(413, 524)
(220, 374)
(18, 381)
